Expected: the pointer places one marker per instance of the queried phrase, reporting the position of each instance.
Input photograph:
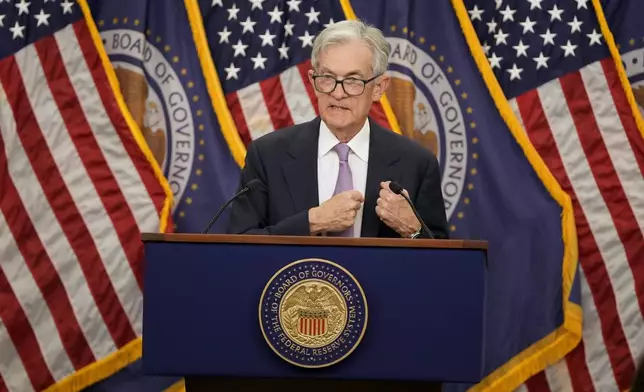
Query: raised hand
(336, 214)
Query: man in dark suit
(330, 176)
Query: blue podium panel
(425, 310)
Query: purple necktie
(345, 180)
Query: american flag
(262, 49)
(554, 67)
(77, 190)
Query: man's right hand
(336, 214)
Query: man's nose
(338, 93)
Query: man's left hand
(395, 212)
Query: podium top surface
(314, 240)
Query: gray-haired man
(331, 175)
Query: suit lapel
(301, 172)
(301, 168)
(382, 163)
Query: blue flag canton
(25, 22)
(254, 40)
(529, 43)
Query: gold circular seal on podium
(313, 313)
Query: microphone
(251, 186)
(397, 189)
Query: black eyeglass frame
(341, 82)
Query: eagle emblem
(415, 117)
(313, 313)
(148, 114)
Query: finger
(382, 203)
(389, 195)
(356, 206)
(382, 213)
(385, 185)
(385, 205)
(356, 195)
(384, 193)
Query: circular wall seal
(157, 95)
(313, 313)
(423, 96)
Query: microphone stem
(422, 223)
(222, 208)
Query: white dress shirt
(329, 164)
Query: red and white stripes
(77, 192)
(590, 142)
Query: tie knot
(343, 151)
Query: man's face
(338, 109)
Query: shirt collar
(359, 144)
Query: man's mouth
(339, 107)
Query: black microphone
(251, 186)
(397, 189)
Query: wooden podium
(205, 297)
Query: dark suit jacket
(286, 163)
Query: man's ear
(381, 87)
(310, 75)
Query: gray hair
(347, 30)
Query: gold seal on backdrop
(313, 313)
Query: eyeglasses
(351, 86)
